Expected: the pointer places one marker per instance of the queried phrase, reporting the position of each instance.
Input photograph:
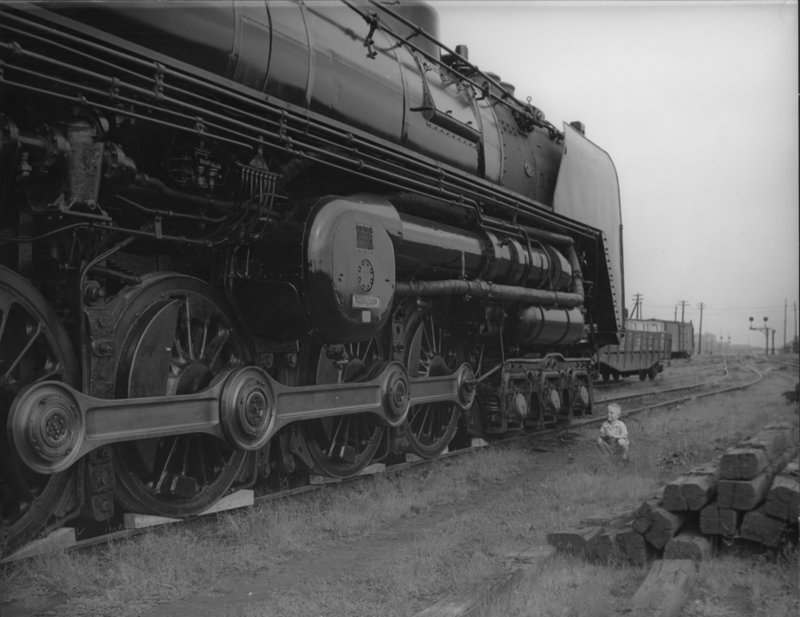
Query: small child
(614, 433)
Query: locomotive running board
(52, 425)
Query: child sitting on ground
(614, 434)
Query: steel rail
(675, 388)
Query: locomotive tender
(247, 239)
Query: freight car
(645, 347)
(682, 334)
(682, 338)
(247, 239)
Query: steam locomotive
(239, 240)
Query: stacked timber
(769, 522)
(604, 538)
(783, 499)
(693, 490)
(751, 492)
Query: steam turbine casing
(350, 267)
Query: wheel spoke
(26, 348)
(161, 465)
(215, 348)
(5, 311)
(188, 319)
(212, 457)
(206, 327)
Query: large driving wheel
(181, 333)
(342, 446)
(33, 347)
(430, 351)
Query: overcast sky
(697, 104)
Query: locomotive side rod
(52, 425)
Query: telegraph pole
(683, 304)
(700, 339)
(637, 306)
(785, 307)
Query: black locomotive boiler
(247, 239)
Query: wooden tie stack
(752, 492)
(751, 475)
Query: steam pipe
(482, 289)
(509, 293)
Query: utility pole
(637, 306)
(675, 318)
(785, 307)
(700, 339)
(683, 304)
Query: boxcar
(682, 338)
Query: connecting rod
(52, 425)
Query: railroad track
(643, 400)
(782, 360)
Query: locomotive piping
(483, 289)
(444, 210)
(508, 293)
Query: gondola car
(645, 348)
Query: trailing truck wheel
(642, 375)
(342, 446)
(652, 373)
(180, 334)
(605, 375)
(33, 347)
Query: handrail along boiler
(245, 240)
